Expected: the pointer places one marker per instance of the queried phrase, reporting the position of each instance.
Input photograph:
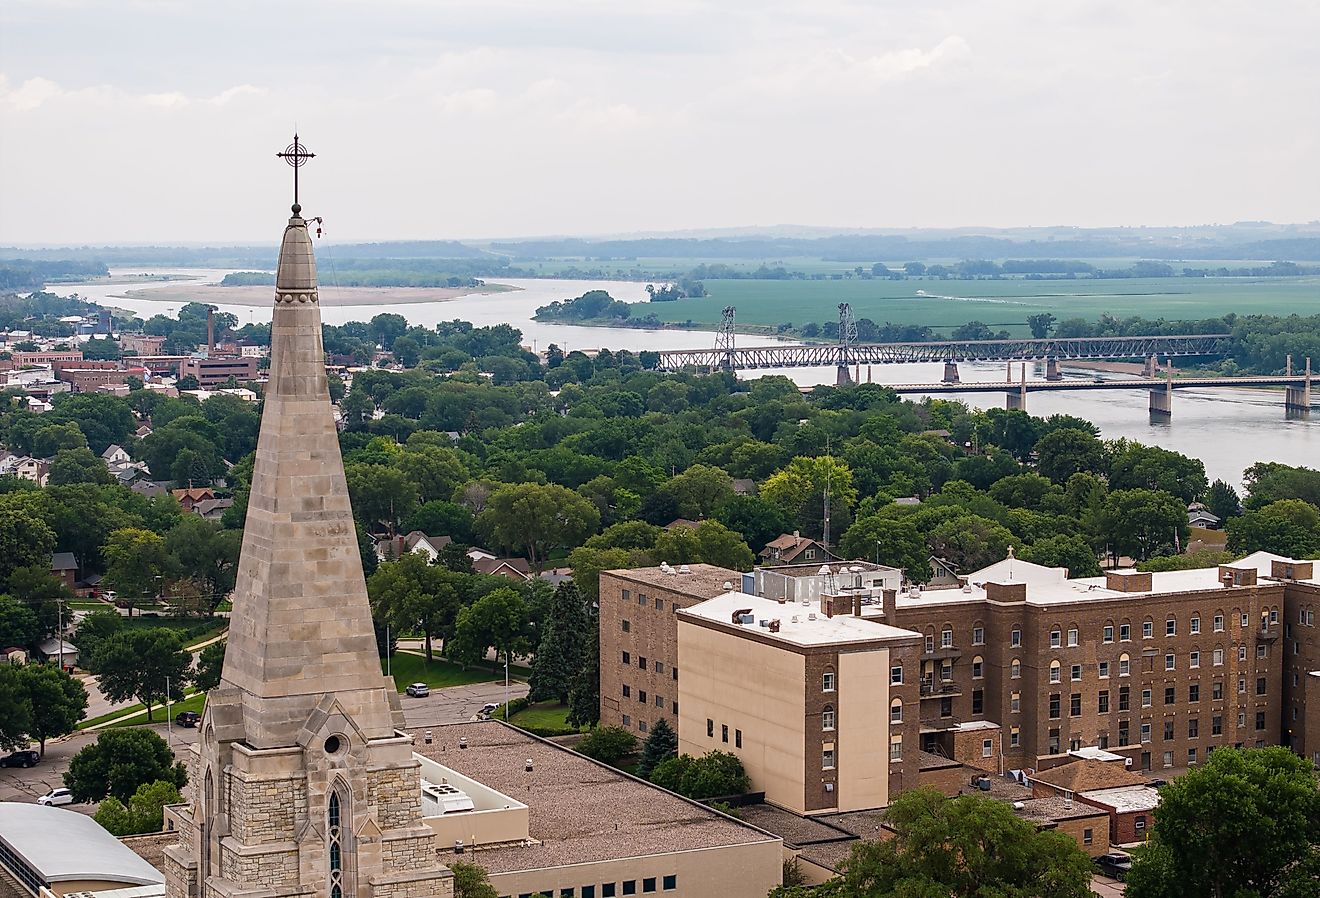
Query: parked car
(418, 690)
(1114, 865)
(25, 758)
(487, 710)
(56, 797)
(187, 718)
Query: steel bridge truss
(819, 355)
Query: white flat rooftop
(1092, 753)
(1125, 799)
(43, 837)
(796, 623)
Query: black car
(187, 718)
(25, 758)
(1115, 866)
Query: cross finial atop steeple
(296, 155)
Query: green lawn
(192, 629)
(1002, 304)
(543, 715)
(136, 715)
(409, 668)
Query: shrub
(608, 745)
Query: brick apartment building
(1011, 670)
(218, 369)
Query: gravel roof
(792, 828)
(1048, 810)
(580, 811)
(704, 580)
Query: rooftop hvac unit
(728, 587)
(442, 798)
(685, 569)
(811, 616)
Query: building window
(1125, 632)
(673, 708)
(895, 748)
(1242, 653)
(930, 643)
(1123, 732)
(978, 666)
(1219, 623)
(946, 638)
(1194, 659)
(1015, 638)
(1246, 620)
(827, 682)
(1195, 624)
(1054, 671)
(607, 890)
(335, 846)
(627, 720)
(978, 635)
(1261, 650)
(1217, 657)
(1056, 638)
(673, 672)
(641, 696)
(587, 891)
(1054, 705)
(1124, 698)
(1015, 669)
(1103, 668)
(641, 599)
(630, 887)
(641, 662)
(1108, 633)
(1014, 737)
(1217, 691)
(1260, 685)
(1145, 698)
(1168, 730)
(1103, 702)
(659, 701)
(1191, 756)
(658, 666)
(627, 595)
(1076, 673)
(1088, 836)
(1124, 665)
(737, 738)
(827, 759)
(659, 604)
(627, 627)
(627, 691)
(1054, 741)
(1171, 627)
(626, 658)
(1145, 732)
(1140, 823)
(1168, 759)
(1216, 725)
(1170, 695)
(987, 748)
(1274, 615)
(724, 733)
(896, 711)
(1168, 661)
(1147, 629)
(1242, 685)
(978, 701)
(1072, 637)
(1015, 702)
(946, 707)
(710, 728)
(1260, 720)
(1194, 692)
(826, 719)
(1075, 705)
(896, 675)
(648, 884)
(1193, 728)
(669, 883)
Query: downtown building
(1018, 668)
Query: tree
(798, 490)
(892, 541)
(1288, 527)
(135, 563)
(25, 539)
(18, 623)
(1134, 466)
(534, 518)
(584, 694)
(700, 490)
(94, 629)
(1245, 822)
(966, 847)
(1041, 324)
(712, 775)
(496, 620)
(144, 813)
(661, 745)
(189, 382)
(139, 664)
(119, 762)
(587, 564)
(470, 881)
(1270, 481)
(15, 710)
(209, 664)
(380, 494)
(56, 701)
(710, 542)
(1222, 501)
(412, 594)
(609, 745)
(78, 466)
(1142, 523)
(1065, 550)
(436, 471)
(756, 519)
(559, 656)
(970, 541)
(206, 553)
(1067, 451)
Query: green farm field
(1002, 304)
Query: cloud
(34, 93)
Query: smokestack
(210, 330)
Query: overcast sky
(157, 120)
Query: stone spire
(301, 626)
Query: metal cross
(296, 155)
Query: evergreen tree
(560, 656)
(1223, 501)
(584, 695)
(661, 745)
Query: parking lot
(452, 705)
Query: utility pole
(506, 685)
(389, 656)
(169, 721)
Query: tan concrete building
(805, 699)
(546, 820)
(305, 783)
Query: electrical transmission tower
(847, 342)
(724, 338)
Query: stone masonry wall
(265, 870)
(265, 810)
(412, 853)
(396, 794)
(432, 888)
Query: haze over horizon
(156, 121)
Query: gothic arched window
(334, 833)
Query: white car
(418, 690)
(56, 797)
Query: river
(1229, 430)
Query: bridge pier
(1152, 367)
(1052, 371)
(951, 373)
(1161, 402)
(1017, 399)
(1297, 400)
(843, 377)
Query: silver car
(418, 690)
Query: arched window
(208, 812)
(335, 836)
(978, 667)
(827, 718)
(1054, 671)
(896, 711)
(1056, 638)
(827, 681)
(1124, 665)
(1016, 669)
(946, 638)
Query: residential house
(65, 568)
(390, 547)
(744, 486)
(794, 548)
(191, 496)
(513, 568)
(59, 651)
(116, 456)
(212, 509)
(1199, 516)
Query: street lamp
(506, 685)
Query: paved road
(457, 703)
